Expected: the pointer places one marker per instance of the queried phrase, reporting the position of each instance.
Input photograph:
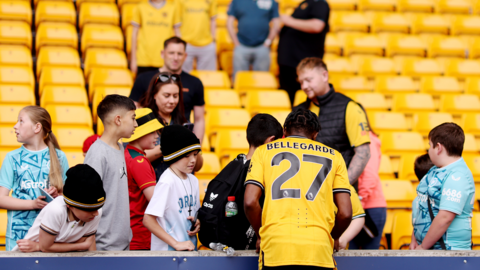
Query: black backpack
(233, 231)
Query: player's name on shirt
(303, 146)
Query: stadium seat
(213, 79)
(472, 86)
(108, 78)
(376, 5)
(402, 230)
(440, 85)
(225, 60)
(17, 94)
(229, 144)
(300, 97)
(250, 80)
(463, 69)
(56, 34)
(405, 45)
(390, 22)
(210, 168)
(470, 146)
(101, 35)
(372, 102)
(71, 137)
(471, 123)
(104, 58)
(412, 103)
(14, 55)
(16, 11)
(69, 115)
(8, 139)
(274, 69)
(74, 157)
(102, 13)
(100, 127)
(398, 143)
(63, 95)
(266, 100)
(3, 224)
(426, 121)
(221, 98)
(127, 14)
(221, 119)
(473, 163)
(453, 6)
(349, 21)
(377, 66)
(128, 40)
(280, 115)
(9, 114)
(340, 66)
(61, 76)
(476, 231)
(399, 194)
(351, 85)
(447, 47)
(395, 84)
(221, 19)
(80, 2)
(50, 56)
(333, 44)
(102, 91)
(431, 24)
(419, 68)
(468, 25)
(458, 104)
(387, 121)
(15, 32)
(224, 42)
(426, 6)
(406, 167)
(386, 170)
(343, 4)
(55, 11)
(16, 75)
(364, 44)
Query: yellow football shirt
(299, 177)
(357, 209)
(156, 25)
(195, 16)
(355, 121)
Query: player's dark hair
(451, 136)
(302, 121)
(114, 102)
(422, 165)
(174, 40)
(261, 127)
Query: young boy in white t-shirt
(69, 222)
(175, 201)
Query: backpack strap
(430, 211)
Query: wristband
(267, 42)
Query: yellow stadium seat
(386, 171)
(470, 146)
(205, 144)
(398, 143)
(3, 225)
(419, 68)
(16, 11)
(398, 193)
(101, 35)
(102, 91)
(463, 69)
(224, 42)
(9, 114)
(226, 61)
(300, 97)
(412, 103)
(128, 40)
(460, 104)
(340, 66)
(221, 98)
(108, 78)
(14, 55)
(365, 44)
(102, 13)
(273, 64)
(426, 6)
(250, 80)
(474, 49)
(221, 119)
(402, 230)
(104, 58)
(476, 230)
(424, 122)
(447, 47)
(229, 144)
(213, 79)
(333, 44)
(15, 32)
(56, 34)
(127, 14)
(264, 100)
(280, 115)
(349, 21)
(473, 163)
(71, 137)
(57, 57)
(387, 121)
(431, 24)
(8, 139)
(74, 157)
(395, 84)
(55, 11)
(69, 115)
(210, 168)
(440, 85)
(372, 102)
(61, 76)
(351, 85)
(222, 16)
(390, 22)
(17, 94)
(453, 6)
(406, 45)
(377, 5)
(406, 167)
(377, 66)
(471, 123)
(468, 25)
(472, 86)
(100, 126)
(64, 95)
(16, 75)
(80, 2)
(343, 4)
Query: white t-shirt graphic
(170, 204)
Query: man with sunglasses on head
(174, 55)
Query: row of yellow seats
(244, 80)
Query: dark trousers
(379, 216)
(145, 69)
(294, 267)
(288, 81)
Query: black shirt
(295, 45)
(192, 89)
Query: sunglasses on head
(166, 77)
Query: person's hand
(259, 241)
(88, 242)
(419, 247)
(27, 245)
(197, 227)
(39, 203)
(336, 245)
(133, 65)
(52, 191)
(413, 243)
(342, 244)
(186, 245)
(236, 43)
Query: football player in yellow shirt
(303, 182)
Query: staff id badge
(264, 4)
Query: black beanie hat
(177, 141)
(84, 188)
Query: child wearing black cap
(175, 201)
(69, 222)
